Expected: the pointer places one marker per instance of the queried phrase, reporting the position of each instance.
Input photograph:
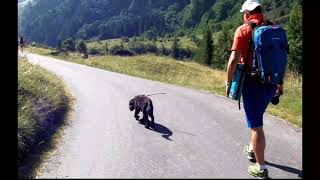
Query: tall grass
(290, 105)
(42, 102)
(193, 75)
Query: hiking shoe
(255, 171)
(249, 154)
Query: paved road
(197, 135)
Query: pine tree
(69, 45)
(205, 51)
(222, 50)
(106, 48)
(81, 47)
(208, 47)
(175, 48)
(294, 35)
(162, 49)
(195, 10)
(59, 45)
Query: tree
(151, 33)
(154, 47)
(163, 49)
(205, 51)
(175, 48)
(106, 48)
(294, 35)
(195, 10)
(81, 47)
(222, 48)
(208, 47)
(124, 39)
(195, 39)
(59, 45)
(69, 45)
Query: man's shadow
(286, 168)
(163, 130)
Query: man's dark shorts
(256, 97)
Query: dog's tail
(155, 94)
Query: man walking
(21, 42)
(256, 96)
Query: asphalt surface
(197, 134)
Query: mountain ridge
(47, 21)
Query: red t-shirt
(241, 38)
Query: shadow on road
(286, 168)
(166, 132)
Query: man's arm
(232, 64)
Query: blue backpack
(270, 53)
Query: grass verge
(189, 74)
(43, 102)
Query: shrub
(120, 50)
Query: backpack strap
(246, 64)
(267, 22)
(253, 26)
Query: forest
(52, 21)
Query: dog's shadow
(163, 130)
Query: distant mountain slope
(47, 21)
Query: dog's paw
(141, 120)
(147, 124)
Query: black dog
(144, 104)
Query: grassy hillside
(189, 74)
(42, 103)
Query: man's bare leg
(258, 142)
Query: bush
(69, 45)
(175, 48)
(120, 50)
(195, 39)
(94, 51)
(151, 47)
(40, 45)
(185, 53)
(137, 47)
(81, 47)
(181, 34)
(164, 51)
(125, 39)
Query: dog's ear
(131, 102)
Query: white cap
(250, 5)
